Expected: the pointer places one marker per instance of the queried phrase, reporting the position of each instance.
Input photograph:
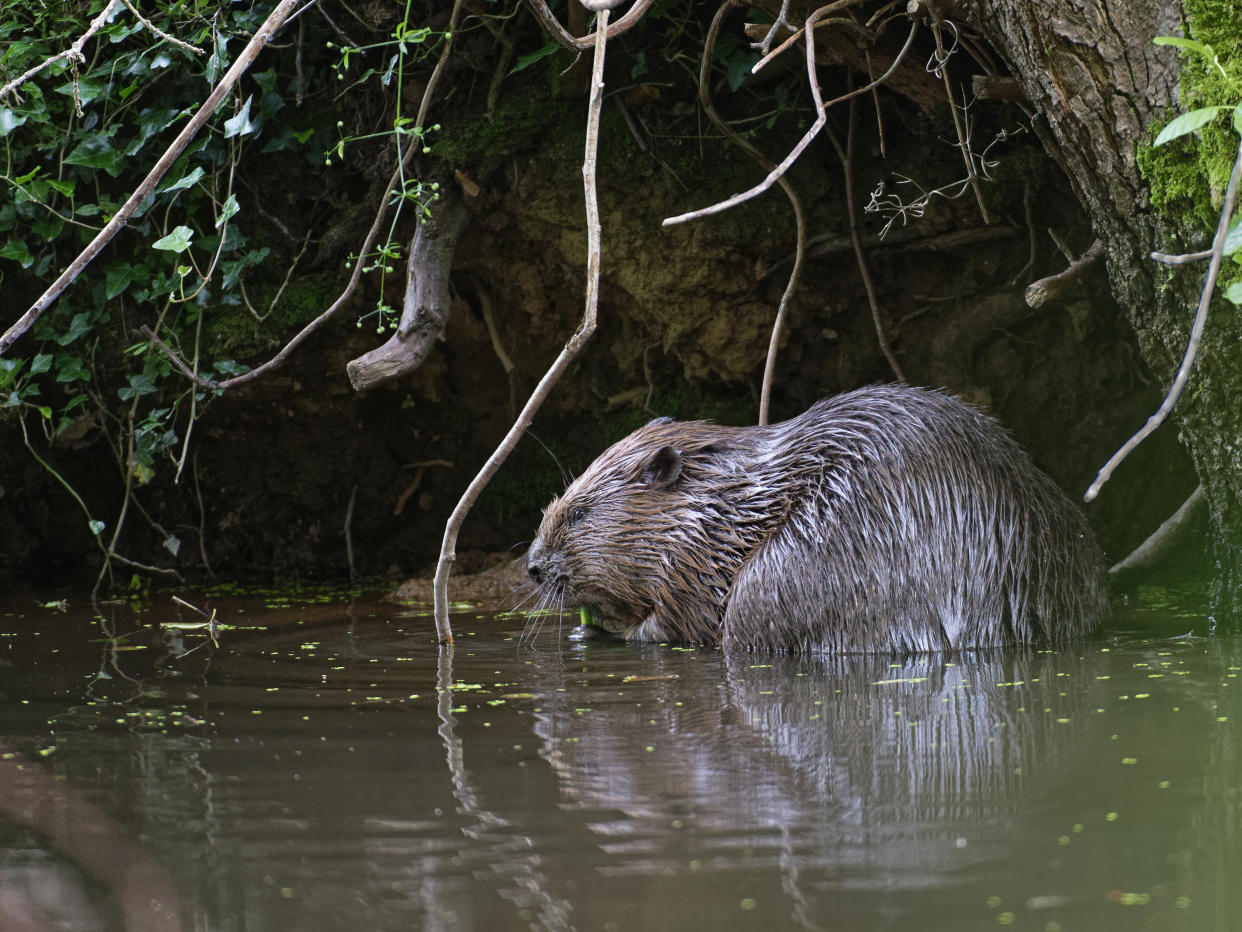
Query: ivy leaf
(80, 324)
(96, 151)
(41, 363)
(172, 544)
(527, 60)
(97, 527)
(16, 250)
(227, 211)
(1234, 293)
(1187, 123)
(139, 384)
(8, 371)
(9, 121)
(239, 124)
(185, 182)
(176, 241)
(1233, 239)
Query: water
(324, 768)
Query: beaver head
(649, 537)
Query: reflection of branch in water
(512, 854)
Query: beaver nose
(534, 562)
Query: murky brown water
(324, 768)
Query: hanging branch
(572, 347)
(846, 155)
(558, 32)
(821, 109)
(794, 202)
(262, 36)
(1192, 346)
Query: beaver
(887, 519)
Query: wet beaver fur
(887, 519)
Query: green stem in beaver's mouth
(584, 616)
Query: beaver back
(885, 519)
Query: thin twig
(846, 155)
(709, 107)
(244, 60)
(568, 353)
(805, 141)
(942, 65)
(1182, 259)
(1196, 334)
(73, 53)
(818, 16)
(173, 40)
(558, 32)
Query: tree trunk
(1100, 89)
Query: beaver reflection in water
(889, 519)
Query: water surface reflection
(323, 769)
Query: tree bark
(1100, 89)
(425, 311)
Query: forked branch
(572, 348)
(1196, 335)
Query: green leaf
(1189, 45)
(9, 121)
(1187, 123)
(185, 182)
(97, 151)
(41, 363)
(230, 208)
(70, 369)
(16, 250)
(239, 124)
(527, 60)
(97, 527)
(80, 325)
(1237, 119)
(64, 187)
(176, 241)
(8, 371)
(119, 278)
(172, 544)
(1234, 293)
(1233, 239)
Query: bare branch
(795, 203)
(846, 155)
(1183, 259)
(568, 353)
(558, 32)
(1050, 288)
(151, 27)
(73, 53)
(425, 310)
(805, 141)
(1196, 334)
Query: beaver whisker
(890, 519)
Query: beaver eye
(577, 514)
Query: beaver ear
(658, 421)
(662, 469)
